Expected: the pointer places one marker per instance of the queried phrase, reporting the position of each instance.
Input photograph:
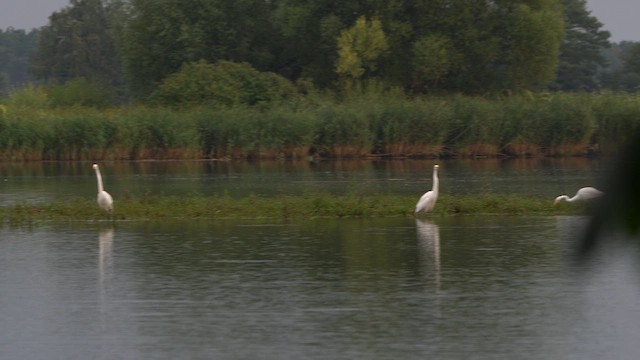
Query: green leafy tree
(626, 75)
(470, 46)
(77, 42)
(307, 31)
(16, 47)
(581, 52)
(631, 58)
(158, 37)
(532, 44)
(433, 57)
(473, 46)
(360, 48)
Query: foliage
(81, 92)
(438, 46)
(179, 32)
(432, 60)
(29, 96)
(535, 35)
(15, 48)
(631, 58)
(616, 117)
(580, 54)
(360, 47)
(622, 72)
(222, 84)
(371, 122)
(77, 42)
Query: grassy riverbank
(319, 205)
(369, 124)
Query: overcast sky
(620, 17)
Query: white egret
(428, 201)
(105, 201)
(585, 193)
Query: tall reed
(617, 118)
(372, 124)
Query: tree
(360, 48)
(470, 46)
(623, 68)
(77, 43)
(478, 46)
(532, 43)
(581, 52)
(631, 58)
(432, 60)
(15, 48)
(158, 37)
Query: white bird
(105, 201)
(585, 193)
(428, 201)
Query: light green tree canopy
(360, 47)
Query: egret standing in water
(428, 201)
(585, 193)
(105, 201)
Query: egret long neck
(435, 180)
(100, 188)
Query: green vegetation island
(284, 208)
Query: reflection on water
(451, 287)
(105, 263)
(429, 246)
(106, 245)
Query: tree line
(170, 51)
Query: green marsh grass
(370, 125)
(617, 119)
(308, 206)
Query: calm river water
(394, 288)
(51, 181)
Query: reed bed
(380, 124)
(309, 206)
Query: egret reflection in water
(105, 250)
(429, 245)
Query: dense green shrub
(30, 96)
(81, 92)
(222, 84)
